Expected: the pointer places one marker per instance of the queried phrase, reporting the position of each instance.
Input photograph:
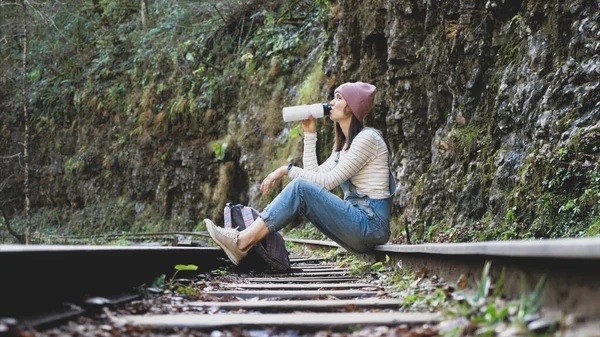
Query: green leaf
(181, 267)
(187, 291)
(484, 285)
(34, 75)
(220, 150)
(499, 289)
(199, 71)
(159, 282)
(377, 266)
(536, 295)
(410, 299)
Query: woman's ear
(347, 110)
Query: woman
(359, 163)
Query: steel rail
(580, 248)
(572, 266)
(43, 276)
(117, 235)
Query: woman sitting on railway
(359, 163)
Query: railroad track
(318, 295)
(572, 266)
(315, 295)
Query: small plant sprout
(487, 312)
(183, 289)
(379, 267)
(222, 271)
(181, 267)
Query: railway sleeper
(291, 304)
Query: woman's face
(339, 111)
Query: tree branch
(12, 156)
(214, 6)
(5, 182)
(20, 238)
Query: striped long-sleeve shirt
(365, 164)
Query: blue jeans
(356, 223)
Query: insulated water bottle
(301, 112)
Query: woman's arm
(363, 150)
(309, 157)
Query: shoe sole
(213, 235)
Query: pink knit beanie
(359, 96)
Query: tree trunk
(26, 121)
(20, 238)
(144, 11)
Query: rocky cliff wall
(491, 109)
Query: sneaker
(227, 239)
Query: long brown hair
(355, 127)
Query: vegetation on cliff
(141, 124)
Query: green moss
(509, 51)
(489, 157)
(594, 229)
(306, 231)
(311, 88)
(464, 140)
(419, 186)
(398, 227)
(418, 230)
(74, 165)
(558, 196)
(566, 120)
(440, 231)
(273, 123)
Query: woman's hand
(309, 125)
(273, 179)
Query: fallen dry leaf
(463, 281)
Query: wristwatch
(289, 168)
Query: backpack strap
(248, 216)
(393, 185)
(227, 215)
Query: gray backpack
(269, 255)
